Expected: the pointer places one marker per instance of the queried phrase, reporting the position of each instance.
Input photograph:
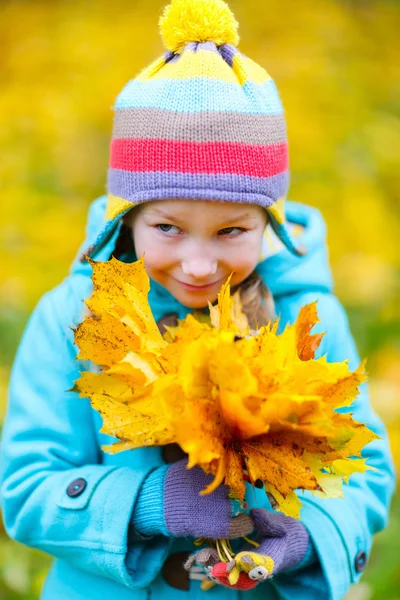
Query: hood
(283, 272)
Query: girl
(197, 182)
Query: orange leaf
(234, 473)
(307, 344)
(272, 460)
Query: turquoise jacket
(51, 438)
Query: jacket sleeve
(49, 446)
(342, 529)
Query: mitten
(170, 504)
(283, 544)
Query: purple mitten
(283, 538)
(283, 543)
(170, 504)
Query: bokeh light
(337, 68)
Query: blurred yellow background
(337, 68)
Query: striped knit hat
(202, 122)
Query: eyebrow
(240, 217)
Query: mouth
(197, 288)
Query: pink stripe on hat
(197, 157)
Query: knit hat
(202, 122)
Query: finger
(267, 523)
(240, 526)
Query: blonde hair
(257, 301)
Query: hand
(283, 544)
(187, 513)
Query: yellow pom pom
(187, 21)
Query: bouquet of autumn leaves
(244, 405)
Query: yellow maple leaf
(240, 403)
(228, 314)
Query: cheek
(157, 256)
(245, 257)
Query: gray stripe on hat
(154, 123)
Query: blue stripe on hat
(200, 94)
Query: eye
(228, 230)
(166, 226)
(258, 573)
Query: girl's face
(191, 247)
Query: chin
(191, 301)
(196, 302)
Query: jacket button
(360, 562)
(76, 487)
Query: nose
(199, 266)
